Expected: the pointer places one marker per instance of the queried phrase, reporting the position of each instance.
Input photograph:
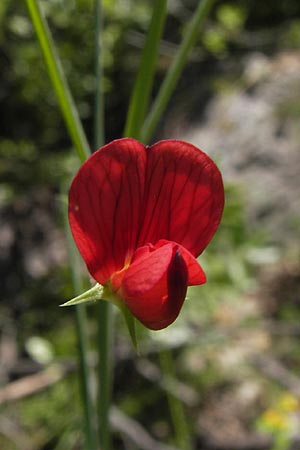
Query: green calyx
(90, 296)
(99, 292)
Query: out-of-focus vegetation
(236, 344)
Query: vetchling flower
(140, 216)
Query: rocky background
(251, 127)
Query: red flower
(140, 215)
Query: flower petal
(196, 274)
(154, 286)
(184, 196)
(105, 203)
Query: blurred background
(236, 343)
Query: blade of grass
(175, 70)
(58, 80)
(143, 85)
(103, 309)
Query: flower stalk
(103, 309)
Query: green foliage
(231, 16)
(50, 420)
(291, 36)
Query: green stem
(105, 370)
(58, 80)
(81, 327)
(175, 70)
(142, 89)
(181, 429)
(99, 98)
(104, 309)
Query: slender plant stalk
(181, 429)
(175, 70)
(81, 327)
(104, 309)
(143, 85)
(105, 352)
(99, 98)
(56, 73)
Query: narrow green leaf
(143, 85)
(175, 70)
(59, 81)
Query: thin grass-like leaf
(142, 89)
(175, 70)
(59, 81)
